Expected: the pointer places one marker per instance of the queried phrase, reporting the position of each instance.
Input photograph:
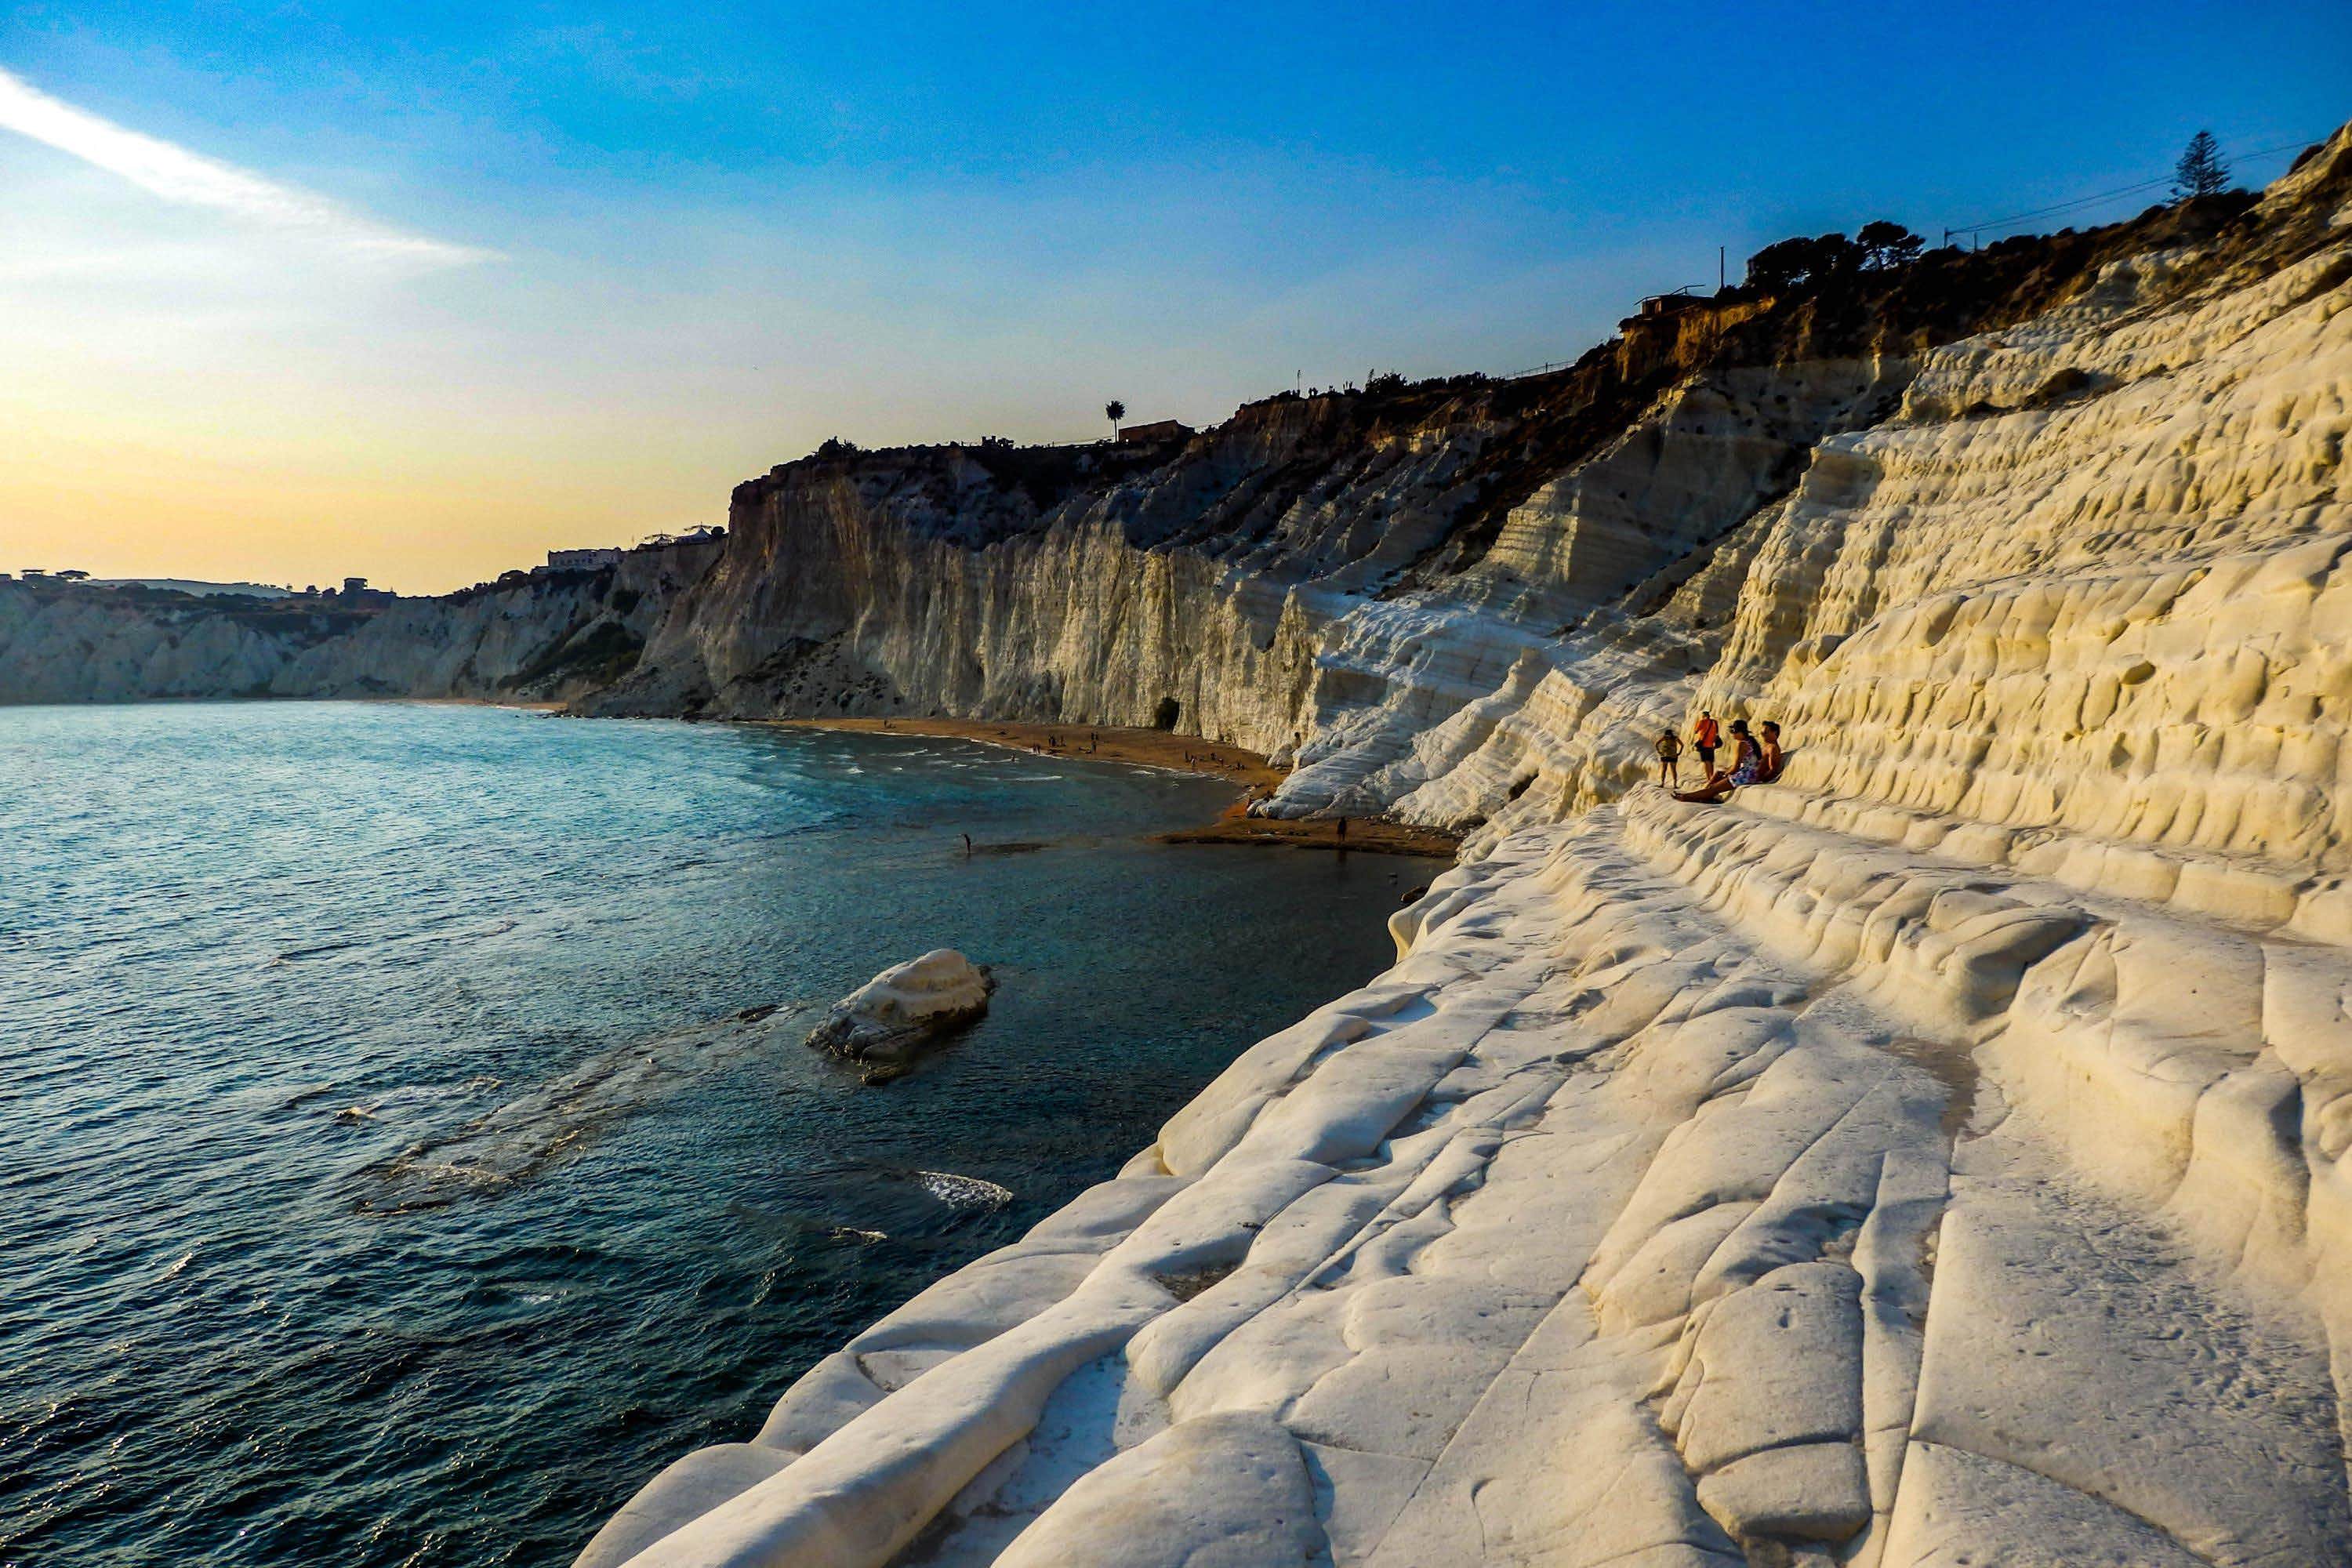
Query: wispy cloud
(176, 174)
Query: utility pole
(1719, 266)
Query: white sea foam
(963, 1191)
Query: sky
(418, 292)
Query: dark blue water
(385, 1174)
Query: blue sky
(500, 277)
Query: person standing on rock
(1705, 738)
(1670, 760)
(1747, 768)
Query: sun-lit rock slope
(1935, 1157)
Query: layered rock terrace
(1933, 1157)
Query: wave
(784, 1222)
(960, 1191)
(434, 932)
(296, 954)
(516, 1140)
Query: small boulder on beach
(905, 1007)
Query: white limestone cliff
(1934, 1157)
(550, 637)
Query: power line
(2093, 200)
(2079, 202)
(2076, 204)
(2059, 208)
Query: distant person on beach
(1705, 738)
(1670, 760)
(1747, 768)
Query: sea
(408, 1145)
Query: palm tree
(1114, 410)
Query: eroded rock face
(550, 639)
(1935, 1156)
(905, 1008)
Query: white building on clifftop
(582, 560)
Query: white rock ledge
(1940, 1156)
(1700, 1189)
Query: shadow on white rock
(1228, 1489)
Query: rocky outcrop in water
(1936, 1155)
(905, 1008)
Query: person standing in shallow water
(1670, 760)
(1705, 736)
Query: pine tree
(2201, 171)
(1886, 244)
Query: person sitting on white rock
(1747, 768)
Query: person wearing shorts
(1747, 768)
(1705, 738)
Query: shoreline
(516, 704)
(1249, 772)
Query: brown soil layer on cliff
(1249, 772)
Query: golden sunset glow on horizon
(318, 296)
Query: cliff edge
(1935, 1156)
(547, 636)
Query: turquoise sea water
(385, 1173)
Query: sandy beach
(1251, 773)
